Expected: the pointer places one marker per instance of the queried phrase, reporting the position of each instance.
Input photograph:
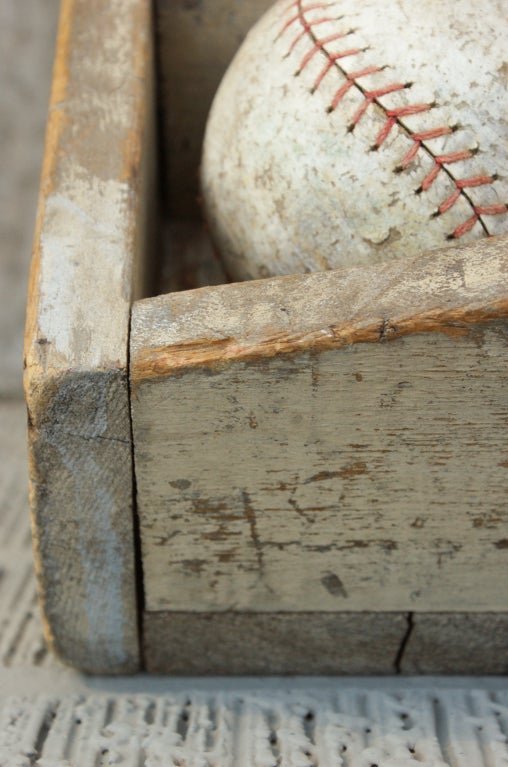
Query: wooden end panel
(96, 189)
(332, 442)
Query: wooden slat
(458, 643)
(95, 190)
(272, 643)
(325, 643)
(289, 458)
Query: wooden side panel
(329, 442)
(196, 42)
(95, 190)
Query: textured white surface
(296, 725)
(349, 132)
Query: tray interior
(194, 44)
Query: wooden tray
(305, 474)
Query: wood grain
(288, 458)
(196, 42)
(95, 191)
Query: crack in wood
(404, 643)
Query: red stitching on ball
(450, 202)
(465, 227)
(394, 117)
(317, 48)
(491, 210)
(312, 24)
(350, 81)
(465, 183)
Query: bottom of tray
(325, 643)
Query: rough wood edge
(77, 393)
(446, 291)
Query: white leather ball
(354, 131)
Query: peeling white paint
(84, 246)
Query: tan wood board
(196, 42)
(94, 193)
(289, 458)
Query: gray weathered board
(86, 271)
(326, 443)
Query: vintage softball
(354, 131)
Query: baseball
(351, 132)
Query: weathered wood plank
(272, 643)
(95, 192)
(288, 459)
(196, 42)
